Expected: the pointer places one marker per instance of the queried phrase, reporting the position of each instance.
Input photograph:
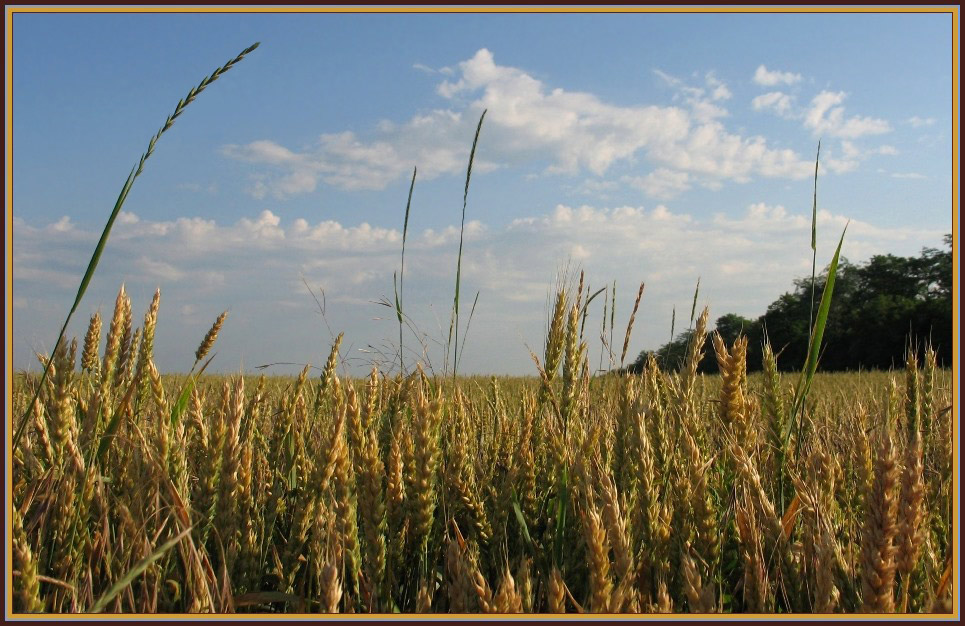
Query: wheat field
(668, 491)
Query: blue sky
(639, 147)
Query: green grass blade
(137, 570)
(586, 308)
(810, 366)
(562, 504)
(182, 403)
(454, 320)
(466, 334)
(814, 207)
(522, 523)
(613, 310)
(398, 303)
(814, 235)
(603, 329)
(102, 242)
(693, 307)
(398, 291)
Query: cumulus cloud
(718, 89)
(63, 225)
(661, 183)
(825, 116)
(711, 150)
(769, 78)
(528, 121)
(775, 101)
(258, 267)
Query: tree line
(878, 307)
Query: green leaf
(182, 404)
(398, 304)
(136, 571)
(814, 208)
(522, 523)
(693, 307)
(814, 349)
(454, 320)
(562, 503)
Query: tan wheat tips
(210, 337)
(633, 314)
(663, 491)
(879, 532)
(421, 469)
(146, 350)
(555, 592)
(27, 590)
(89, 360)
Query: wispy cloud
(826, 116)
(210, 188)
(776, 101)
(918, 122)
(424, 68)
(769, 78)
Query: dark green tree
(877, 307)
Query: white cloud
(438, 142)
(776, 101)
(661, 183)
(264, 228)
(918, 122)
(63, 225)
(909, 175)
(769, 78)
(850, 150)
(159, 270)
(712, 151)
(852, 155)
(527, 121)
(262, 151)
(826, 117)
(702, 101)
(255, 267)
(210, 189)
(597, 187)
(579, 253)
(424, 68)
(718, 89)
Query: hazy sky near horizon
(638, 147)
